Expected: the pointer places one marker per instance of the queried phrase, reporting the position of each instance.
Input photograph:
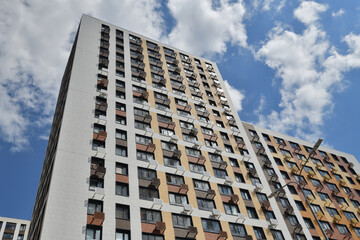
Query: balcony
(178, 86)
(96, 219)
(203, 113)
(136, 41)
(100, 135)
(101, 106)
(154, 54)
(160, 226)
(143, 118)
(103, 82)
(211, 137)
(155, 183)
(157, 71)
(142, 94)
(136, 48)
(150, 147)
(160, 80)
(104, 44)
(104, 53)
(104, 62)
(170, 53)
(163, 100)
(172, 154)
(136, 55)
(97, 171)
(138, 73)
(265, 204)
(234, 198)
(105, 37)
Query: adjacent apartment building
(146, 144)
(13, 229)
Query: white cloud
(236, 95)
(34, 45)
(310, 70)
(204, 29)
(278, 5)
(338, 13)
(308, 11)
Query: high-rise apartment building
(146, 144)
(13, 229)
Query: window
(350, 215)
(122, 189)
(342, 228)
(189, 138)
(168, 146)
(225, 190)
(272, 149)
(92, 233)
(316, 208)
(171, 162)
(205, 204)
(323, 196)
(215, 157)
(174, 179)
(300, 205)
(237, 230)
(148, 194)
(285, 152)
(142, 139)
(277, 235)
(22, 227)
(201, 185)
(252, 212)
(120, 120)
(315, 182)
(150, 216)
(121, 151)
(233, 162)
(357, 231)
(255, 180)
(355, 203)
(141, 125)
(259, 233)
(228, 148)
(93, 206)
(220, 173)
(309, 223)
(350, 180)
(261, 197)
(122, 235)
(278, 161)
(146, 236)
(144, 156)
(308, 192)
(121, 169)
(266, 137)
(325, 225)
(193, 152)
(279, 140)
(122, 212)
(8, 236)
(210, 225)
(332, 186)
(293, 220)
(231, 209)
(284, 175)
(178, 199)
(284, 202)
(148, 174)
(245, 194)
(239, 177)
(342, 168)
(197, 168)
(292, 189)
(181, 221)
(295, 145)
(269, 215)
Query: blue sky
(293, 66)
